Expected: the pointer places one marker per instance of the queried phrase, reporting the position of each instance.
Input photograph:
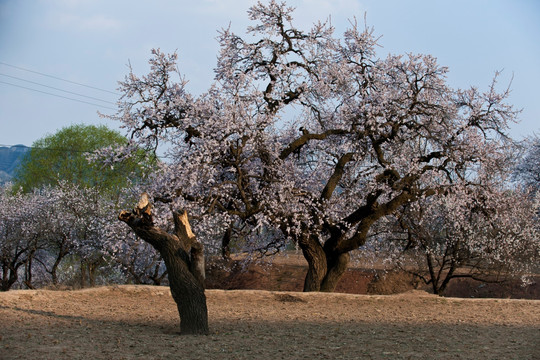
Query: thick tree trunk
(9, 277)
(4, 282)
(187, 292)
(433, 276)
(325, 273)
(184, 258)
(337, 265)
(325, 269)
(316, 259)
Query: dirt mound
(286, 273)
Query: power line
(60, 96)
(55, 88)
(58, 78)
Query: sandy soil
(141, 322)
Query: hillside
(141, 322)
(10, 158)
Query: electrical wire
(58, 78)
(55, 88)
(60, 96)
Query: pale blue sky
(91, 41)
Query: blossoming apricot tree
(306, 137)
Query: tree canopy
(311, 138)
(64, 156)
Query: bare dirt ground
(141, 322)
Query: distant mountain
(10, 158)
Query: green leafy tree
(65, 155)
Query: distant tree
(479, 233)
(79, 226)
(66, 160)
(140, 263)
(64, 156)
(22, 230)
(39, 230)
(528, 169)
(82, 222)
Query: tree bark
(316, 259)
(184, 258)
(4, 283)
(63, 251)
(10, 275)
(54, 270)
(337, 265)
(324, 271)
(28, 271)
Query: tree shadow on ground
(49, 335)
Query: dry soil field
(141, 322)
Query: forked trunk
(184, 259)
(324, 270)
(10, 275)
(187, 291)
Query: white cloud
(310, 11)
(99, 22)
(68, 3)
(81, 15)
(84, 23)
